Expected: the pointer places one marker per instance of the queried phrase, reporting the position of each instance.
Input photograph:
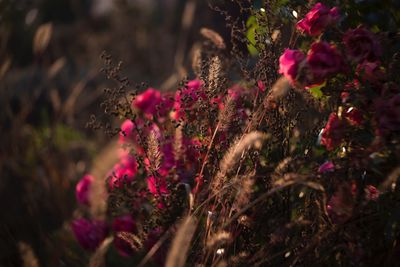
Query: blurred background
(50, 84)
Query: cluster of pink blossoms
(156, 113)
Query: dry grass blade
(178, 141)
(231, 158)
(27, 255)
(244, 191)
(42, 38)
(153, 151)
(197, 63)
(218, 239)
(214, 75)
(100, 167)
(97, 259)
(280, 89)
(180, 245)
(214, 37)
(190, 196)
(226, 115)
(251, 140)
(132, 239)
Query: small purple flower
(328, 166)
(89, 233)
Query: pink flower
(361, 44)
(126, 135)
(148, 101)
(89, 233)
(82, 190)
(187, 97)
(123, 172)
(152, 184)
(289, 63)
(324, 61)
(328, 166)
(333, 132)
(354, 116)
(123, 224)
(318, 19)
(371, 193)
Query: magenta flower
(152, 184)
(289, 64)
(89, 233)
(371, 193)
(126, 135)
(361, 44)
(148, 101)
(324, 61)
(123, 172)
(187, 97)
(318, 19)
(82, 190)
(123, 224)
(328, 166)
(333, 132)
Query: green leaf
(251, 37)
(316, 90)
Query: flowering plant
(284, 170)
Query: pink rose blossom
(361, 45)
(148, 101)
(89, 233)
(82, 190)
(324, 61)
(289, 64)
(318, 19)
(123, 224)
